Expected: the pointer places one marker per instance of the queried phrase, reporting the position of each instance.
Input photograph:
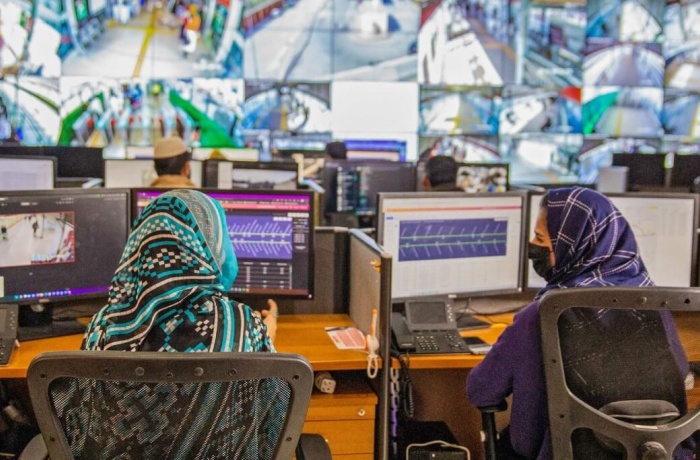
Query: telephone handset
(427, 327)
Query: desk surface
(302, 334)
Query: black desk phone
(8, 331)
(428, 327)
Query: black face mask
(540, 260)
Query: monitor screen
(27, 173)
(376, 149)
(483, 177)
(276, 175)
(228, 153)
(664, 226)
(352, 186)
(60, 244)
(645, 169)
(78, 161)
(686, 168)
(271, 233)
(453, 243)
(265, 175)
(141, 173)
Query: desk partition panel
(370, 288)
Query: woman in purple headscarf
(580, 240)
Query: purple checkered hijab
(593, 243)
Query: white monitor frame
(661, 275)
(450, 276)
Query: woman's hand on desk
(270, 318)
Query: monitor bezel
(62, 192)
(52, 159)
(449, 195)
(312, 226)
(694, 272)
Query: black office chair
(611, 395)
(140, 405)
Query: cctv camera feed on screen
(483, 177)
(555, 40)
(118, 114)
(681, 20)
(286, 107)
(615, 111)
(638, 21)
(29, 110)
(332, 39)
(467, 42)
(461, 148)
(60, 244)
(541, 158)
(623, 64)
(682, 64)
(32, 44)
(535, 110)
(152, 39)
(45, 238)
(681, 114)
(458, 110)
(597, 153)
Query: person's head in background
(171, 159)
(336, 150)
(441, 174)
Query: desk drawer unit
(345, 419)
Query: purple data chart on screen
(260, 237)
(452, 239)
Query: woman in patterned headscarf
(169, 290)
(581, 240)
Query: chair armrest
(313, 447)
(488, 427)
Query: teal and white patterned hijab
(169, 290)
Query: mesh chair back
(614, 350)
(170, 405)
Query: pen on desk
(341, 328)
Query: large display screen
(453, 243)
(485, 79)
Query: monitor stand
(36, 322)
(464, 319)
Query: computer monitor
(272, 235)
(474, 177)
(352, 186)
(646, 170)
(483, 177)
(59, 245)
(664, 225)
(453, 244)
(27, 173)
(228, 153)
(376, 149)
(139, 151)
(79, 162)
(273, 175)
(71, 161)
(686, 168)
(141, 173)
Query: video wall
(553, 89)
